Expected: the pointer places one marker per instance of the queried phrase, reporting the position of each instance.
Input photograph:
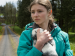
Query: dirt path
(9, 43)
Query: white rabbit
(49, 48)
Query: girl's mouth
(37, 19)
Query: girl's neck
(44, 26)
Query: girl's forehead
(37, 6)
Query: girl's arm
(25, 47)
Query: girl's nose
(36, 14)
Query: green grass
(1, 14)
(0, 30)
(17, 29)
(0, 27)
(72, 41)
(72, 44)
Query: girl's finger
(45, 31)
(38, 30)
(50, 38)
(49, 35)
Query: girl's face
(39, 14)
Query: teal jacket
(26, 48)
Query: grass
(0, 27)
(17, 29)
(72, 41)
(0, 30)
(72, 44)
(1, 14)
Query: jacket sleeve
(25, 47)
(68, 51)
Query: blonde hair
(47, 5)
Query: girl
(41, 13)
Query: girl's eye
(32, 12)
(39, 11)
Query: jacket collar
(56, 29)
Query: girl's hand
(42, 38)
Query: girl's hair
(48, 6)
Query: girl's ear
(50, 12)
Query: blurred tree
(64, 13)
(10, 9)
(66, 16)
(6, 12)
(23, 13)
(54, 6)
(13, 14)
(1, 10)
(72, 19)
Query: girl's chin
(38, 23)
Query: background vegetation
(72, 41)
(63, 11)
(0, 30)
(17, 29)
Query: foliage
(72, 44)
(10, 13)
(0, 27)
(0, 30)
(63, 11)
(23, 13)
(1, 10)
(17, 29)
(1, 14)
(72, 41)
